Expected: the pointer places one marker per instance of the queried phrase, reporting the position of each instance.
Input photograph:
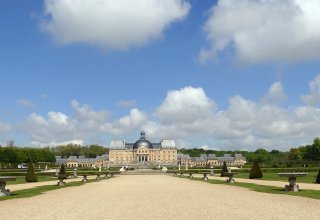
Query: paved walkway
(158, 197)
(270, 182)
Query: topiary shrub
(224, 169)
(255, 171)
(31, 175)
(318, 177)
(62, 170)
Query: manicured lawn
(314, 194)
(310, 178)
(37, 191)
(21, 179)
(42, 189)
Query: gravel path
(158, 197)
(269, 182)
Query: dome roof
(142, 142)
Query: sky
(216, 74)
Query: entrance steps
(144, 172)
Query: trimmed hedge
(224, 169)
(255, 172)
(31, 175)
(318, 177)
(62, 170)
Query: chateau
(143, 152)
(211, 160)
(147, 154)
(140, 153)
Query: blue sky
(90, 72)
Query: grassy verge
(21, 180)
(41, 189)
(310, 178)
(308, 193)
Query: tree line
(303, 154)
(90, 151)
(17, 155)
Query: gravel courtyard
(158, 197)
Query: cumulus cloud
(184, 112)
(314, 97)
(133, 121)
(191, 118)
(86, 113)
(192, 102)
(83, 125)
(264, 30)
(245, 124)
(25, 103)
(53, 143)
(111, 24)
(276, 94)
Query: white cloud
(25, 103)
(276, 94)
(185, 105)
(264, 30)
(185, 112)
(314, 97)
(111, 24)
(53, 143)
(131, 122)
(84, 125)
(190, 117)
(245, 124)
(87, 114)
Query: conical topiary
(255, 171)
(318, 177)
(62, 175)
(224, 169)
(31, 175)
(62, 170)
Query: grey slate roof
(212, 157)
(204, 157)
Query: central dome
(142, 142)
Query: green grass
(310, 178)
(308, 193)
(21, 179)
(42, 189)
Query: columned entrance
(143, 158)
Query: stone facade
(143, 152)
(82, 161)
(212, 160)
(121, 153)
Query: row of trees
(90, 151)
(308, 152)
(303, 154)
(16, 155)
